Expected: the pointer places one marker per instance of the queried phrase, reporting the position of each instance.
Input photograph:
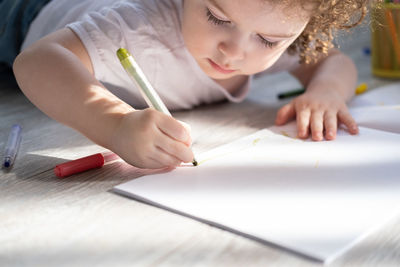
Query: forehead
(267, 16)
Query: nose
(232, 50)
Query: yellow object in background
(361, 88)
(385, 40)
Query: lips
(219, 68)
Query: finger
(140, 157)
(346, 118)
(154, 163)
(175, 148)
(150, 161)
(285, 113)
(330, 123)
(317, 125)
(173, 128)
(166, 159)
(303, 123)
(189, 131)
(186, 126)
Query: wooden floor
(78, 221)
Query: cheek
(199, 42)
(199, 35)
(262, 59)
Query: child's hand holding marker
(153, 139)
(150, 139)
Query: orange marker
(393, 34)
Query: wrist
(114, 126)
(344, 91)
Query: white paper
(384, 96)
(314, 198)
(386, 118)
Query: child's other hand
(320, 112)
(150, 139)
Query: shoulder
(160, 19)
(126, 21)
(157, 6)
(153, 10)
(163, 17)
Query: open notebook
(313, 198)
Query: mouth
(219, 68)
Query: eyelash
(216, 21)
(266, 43)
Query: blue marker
(367, 51)
(14, 139)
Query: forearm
(335, 72)
(57, 82)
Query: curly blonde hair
(328, 16)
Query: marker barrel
(79, 165)
(12, 145)
(291, 93)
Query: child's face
(239, 37)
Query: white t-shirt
(151, 31)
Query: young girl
(193, 52)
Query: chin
(220, 76)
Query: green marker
(291, 93)
(361, 88)
(149, 94)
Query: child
(193, 52)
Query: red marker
(84, 164)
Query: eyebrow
(214, 2)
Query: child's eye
(214, 19)
(267, 43)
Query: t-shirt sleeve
(103, 32)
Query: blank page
(314, 198)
